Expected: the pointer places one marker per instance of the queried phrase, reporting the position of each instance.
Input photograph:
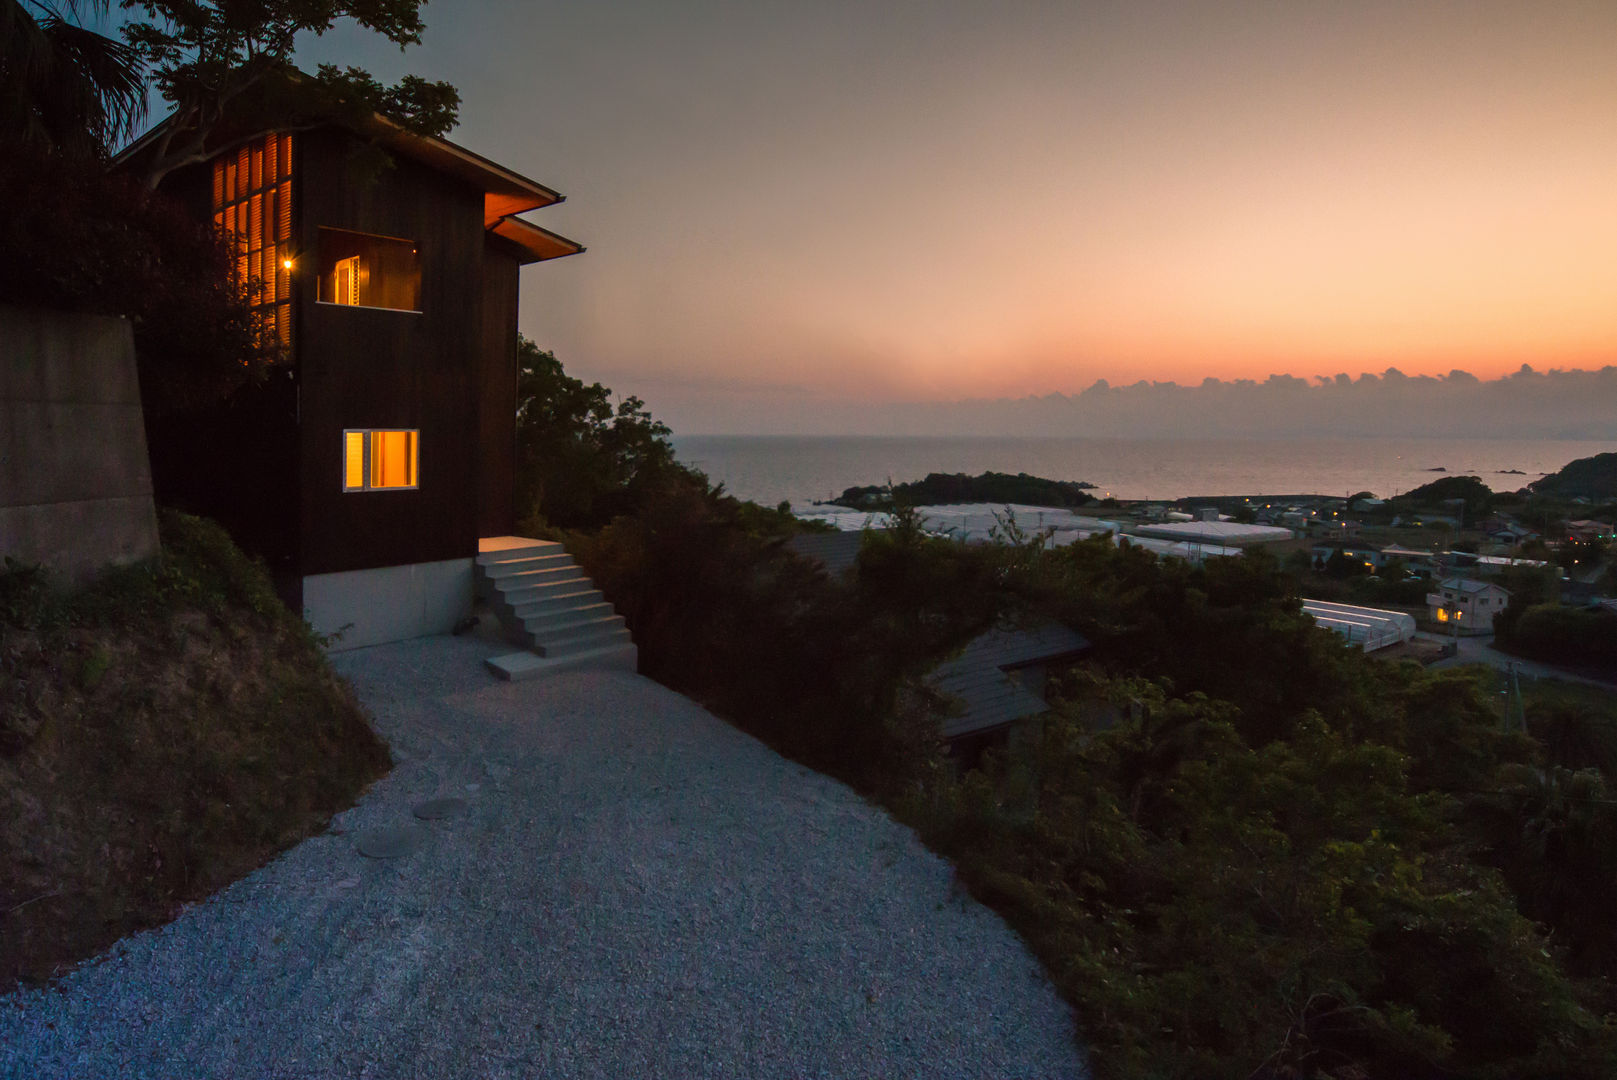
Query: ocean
(801, 470)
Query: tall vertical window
(252, 202)
(377, 460)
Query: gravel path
(634, 889)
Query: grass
(163, 732)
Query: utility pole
(1515, 709)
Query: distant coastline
(802, 469)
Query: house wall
(388, 603)
(236, 460)
(497, 396)
(75, 480)
(1477, 610)
(369, 368)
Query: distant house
(998, 679)
(1415, 560)
(381, 453)
(1504, 530)
(1585, 530)
(1370, 556)
(837, 551)
(1465, 605)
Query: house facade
(382, 448)
(1466, 606)
(1369, 555)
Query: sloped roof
(506, 192)
(1471, 585)
(836, 551)
(1215, 532)
(979, 677)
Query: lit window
(379, 460)
(360, 270)
(252, 205)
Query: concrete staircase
(546, 602)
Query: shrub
(101, 243)
(1564, 635)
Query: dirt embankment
(162, 732)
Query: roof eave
(531, 243)
(505, 191)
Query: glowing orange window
(252, 204)
(380, 460)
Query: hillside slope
(162, 732)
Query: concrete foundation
(75, 479)
(390, 603)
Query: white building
(1368, 628)
(1222, 533)
(1467, 606)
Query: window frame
(415, 247)
(365, 461)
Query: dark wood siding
(497, 397)
(235, 461)
(368, 368)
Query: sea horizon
(802, 469)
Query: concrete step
(502, 548)
(557, 602)
(516, 596)
(543, 598)
(519, 579)
(578, 627)
(583, 642)
(521, 666)
(507, 567)
(558, 620)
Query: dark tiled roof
(1471, 585)
(836, 551)
(978, 677)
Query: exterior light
(286, 264)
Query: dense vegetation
(581, 461)
(108, 247)
(1590, 477)
(162, 732)
(1578, 637)
(944, 488)
(1240, 847)
(1469, 490)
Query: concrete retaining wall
(75, 481)
(389, 603)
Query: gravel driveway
(633, 889)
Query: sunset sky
(788, 204)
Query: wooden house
(998, 680)
(382, 449)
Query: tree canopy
(65, 89)
(581, 461)
(1591, 477)
(941, 488)
(207, 55)
(1469, 489)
